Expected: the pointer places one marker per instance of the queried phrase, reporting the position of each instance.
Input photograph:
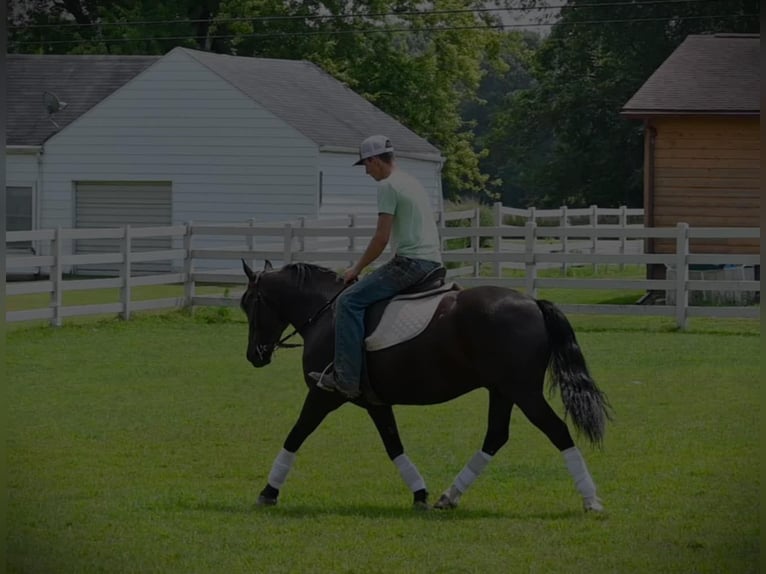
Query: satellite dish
(52, 103)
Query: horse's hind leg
(316, 407)
(498, 423)
(540, 414)
(385, 422)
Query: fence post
(351, 242)
(126, 272)
(56, 277)
(475, 241)
(288, 244)
(623, 227)
(188, 270)
(498, 213)
(682, 274)
(441, 224)
(530, 263)
(251, 241)
(594, 241)
(302, 238)
(564, 222)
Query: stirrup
(327, 381)
(319, 377)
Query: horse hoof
(266, 501)
(593, 505)
(445, 503)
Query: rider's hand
(350, 276)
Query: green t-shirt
(414, 233)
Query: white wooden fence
(210, 254)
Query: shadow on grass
(375, 512)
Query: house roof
(300, 93)
(79, 81)
(312, 101)
(706, 75)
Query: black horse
(489, 337)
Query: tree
(498, 81)
(565, 136)
(111, 26)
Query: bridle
(282, 342)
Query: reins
(309, 321)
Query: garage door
(111, 204)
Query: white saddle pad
(405, 317)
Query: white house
(190, 136)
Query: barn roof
(312, 101)
(300, 93)
(716, 74)
(79, 81)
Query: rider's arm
(375, 247)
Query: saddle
(393, 321)
(401, 318)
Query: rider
(406, 219)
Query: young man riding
(405, 218)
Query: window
(18, 213)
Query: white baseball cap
(372, 146)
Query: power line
(344, 16)
(377, 30)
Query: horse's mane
(308, 274)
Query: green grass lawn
(141, 446)
(98, 296)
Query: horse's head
(260, 304)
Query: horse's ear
(249, 272)
(267, 266)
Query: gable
(710, 74)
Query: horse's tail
(583, 400)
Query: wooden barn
(702, 163)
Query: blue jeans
(382, 283)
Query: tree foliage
(111, 26)
(563, 136)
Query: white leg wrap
(410, 474)
(579, 471)
(471, 471)
(282, 465)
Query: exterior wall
(228, 159)
(348, 189)
(707, 173)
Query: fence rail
(476, 255)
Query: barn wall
(228, 159)
(707, 173)
(348, 189)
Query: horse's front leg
(316, 407)
(383, 417)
